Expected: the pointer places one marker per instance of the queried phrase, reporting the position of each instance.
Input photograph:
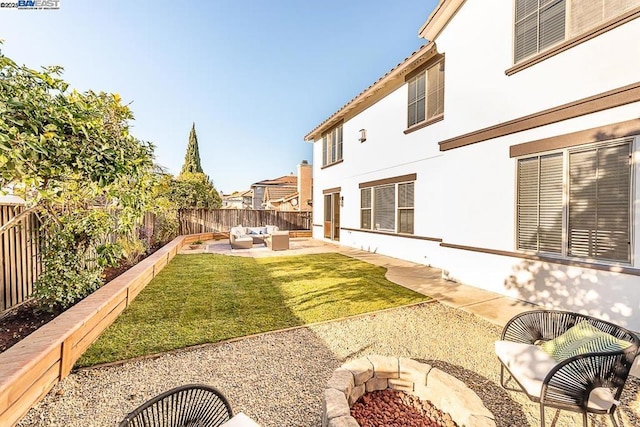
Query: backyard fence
(20, 250)
(221, 220)
(19, 256)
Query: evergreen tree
(192, 158)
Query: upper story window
(576, 202)
(426, 95)
(540, 24)
(332, 146)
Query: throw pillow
(580, 339)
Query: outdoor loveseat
(567, 360)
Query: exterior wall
(466, 196)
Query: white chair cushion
(601, 398)
(529, 365)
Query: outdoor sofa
(245, 237)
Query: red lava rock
(391, 408)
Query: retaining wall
(29, 369)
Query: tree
(67, 153)
(192, 158)
(194, 190)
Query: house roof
(275, 193)
(283, 180)
(386, 84)
(240, 193)
(439, 18)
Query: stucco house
(504, 151)
(286, 193)
(237, 200)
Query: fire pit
(375, 373)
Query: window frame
(365, 209)
(426, 119)
(570, 39)
(332, 146)
(397, 209)
(566, 153)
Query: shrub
(72, 268)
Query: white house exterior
(505, 151)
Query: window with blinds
(543, 23)
(405, 208)
(580, 207)
(586, 14)
(426, 95)
(384, 210)
(538, 25)
(388, 207)
(539, 204)
(332, 146)
(599, 187)
(365, 208)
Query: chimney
(304, 186)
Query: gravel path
(278, 378)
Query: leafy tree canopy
(66, 153)
(62, 148)
(194, 190)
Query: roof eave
(439, 18)
(378, 90)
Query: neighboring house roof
(245, 193)
(276, 193)
(283, 180)
(386, 84)
(238, 194)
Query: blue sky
(255, 76)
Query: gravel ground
(278, 378)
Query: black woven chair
(568, 384)
(192, 405)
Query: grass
(208, 298)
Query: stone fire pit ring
(372, 373)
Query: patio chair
(193, 405)
(567, 361)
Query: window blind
(539, 204)
(365, 208)
(538, 24)
(405, 207)
(416, 105)
(586, 14)
(385, 208)
(599, 203)
(435, 91)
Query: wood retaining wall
(29, 369)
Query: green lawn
(208, 298)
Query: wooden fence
(19, 257)
(20, 249)
(221, 220)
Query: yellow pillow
(582, 338)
